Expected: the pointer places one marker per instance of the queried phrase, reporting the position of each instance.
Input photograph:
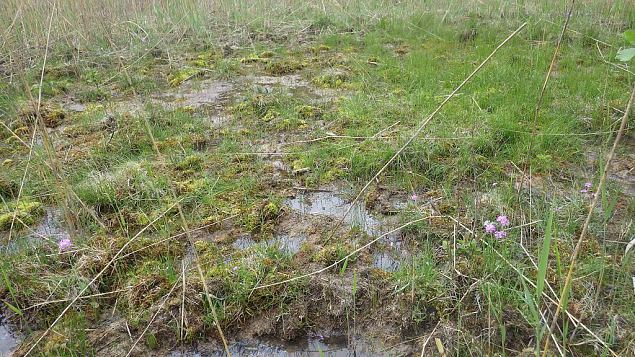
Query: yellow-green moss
(308, 112)
(285, 66)
(175, 79)
(254, 58)
(27, 212)
(190, 162)
(335, 80)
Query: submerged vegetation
(196, 177)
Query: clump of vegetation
(205, 59)
(309, 112)
(258, 58)
(8, 188)
(284, 66)
(260, 106)
(176, 78)
(52, 115)
(263, 216)
(332, 80)
(26, 212)
(132, 183)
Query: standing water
(331, 205)
(333, 346)
(8, 339)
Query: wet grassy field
(274, 178)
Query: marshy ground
(169, 147)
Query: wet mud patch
(196, 94)
(294, 84)
(207, 96)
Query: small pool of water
(287, 243)
(385, 261)
(332, 205)
(336, 346)
(9, 339)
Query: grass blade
(544, 258)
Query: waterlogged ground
(265, 147)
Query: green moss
(333, 253)
(204, 60)
(176, 78)
(309, 112)
(263, 215)
(254, 58)
(333, 80)
(259, 106)
(284, 66)
(27, 212)
(194, 162)
(266, 54)
(320, 48)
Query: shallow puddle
(51, 226)
(244, 241)
(9, 340)
(385, 261)
(311, 346)
(332, 205)
(290, 81)
(287, 243)
(295, 85)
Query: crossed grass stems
(558, 302)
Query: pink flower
(64, 244)
(500, 234)
(414, 197)
(503, 221)
(489, 227)
(587, 187)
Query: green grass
(369, 74)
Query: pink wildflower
(65, 244)
(587, 187)
(489, 227)
(414, 197)
(500, 234)
(503, 221)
